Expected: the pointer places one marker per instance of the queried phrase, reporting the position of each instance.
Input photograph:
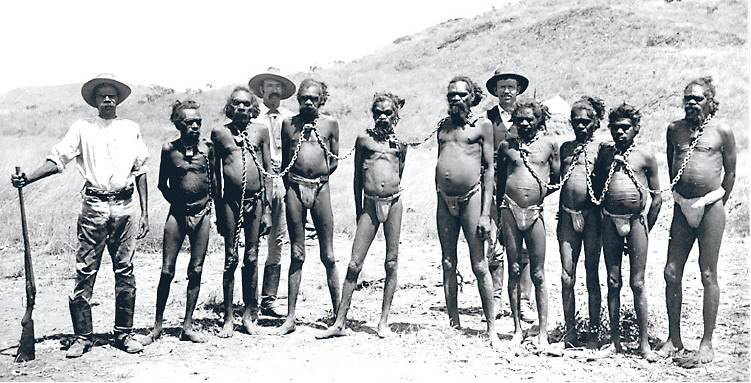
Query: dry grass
(640, 52)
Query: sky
(193, 43)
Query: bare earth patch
(424, 346)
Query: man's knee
(251, 256)
(514, 270)
(448, 263)
(297, 254)
(568, 279)
(537, 277)
(637, 284)
(480, 269)
(353, 270)
(672, 276)
(390, 264)
(194, 272)
(614, 281)
(709, 278)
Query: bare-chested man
(526, 165)
(465, 147)
(623, 171)
(241, 204)
(698, 215)
(310, 141)
(186, 182)
(379, 162)
(579, 219)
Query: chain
(610, 174)
(424, 140)
(211, 179)
(284, 171)
(241, 218)
(523, 154)
(577, 151)
(326, 149)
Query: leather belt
(102, 195)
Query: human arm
(554, 161)
(47, 169)
(334, 146)
(269, 182)
(143, 197)
(218, 152)
(728, 161)
(651, 170)
(164, 171)
(357, 178)
(669, 149)
(61, 154)
(488, 179)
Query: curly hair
(255, 109)
(709, 91)
(397, 101)
(308, 82)
(540, 110)
(474, 89)
(594, 104)
(178, 106)
(625, 111)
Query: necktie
(276, 128)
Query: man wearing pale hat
(505, 85)
(273, 88)
(109, 153)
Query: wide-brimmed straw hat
(87, 90)
(501, 73)
(288, 87)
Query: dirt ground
(424, 346)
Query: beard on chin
(459, 112)
(383, 125)
(308, 114)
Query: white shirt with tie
(272, 120)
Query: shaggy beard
(695, 116)
(384, 126)
(459, 113)
(308, 114)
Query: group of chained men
(265, 169)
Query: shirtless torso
(698, 214)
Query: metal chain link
(523, 154)
(241, 218)
(590, 189)
(577, 151)
(284, 171)
(211, 179)
(424, 140)
(326, 149)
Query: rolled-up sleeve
(142, 154)
(67, 149)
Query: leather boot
(80, 315)
(269, 306)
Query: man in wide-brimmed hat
(109, 213)
(273, 88)
(506, 85)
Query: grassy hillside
(640, 52)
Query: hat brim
(87, 90)
(288, 87)
(521, 80)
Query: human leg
(613, 252)
(592, 250)
(513, 238)
(367, 224)
(470, 217)
(448, 233)
(323, 220)
(710, 238)
(249, 268)
(199, 240)
(680, 242)
(535, 239)
(569, 244)
(391, 231)
(272, 268)
(230, 265)
(638, 241)
(295, 214)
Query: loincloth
(308, 187)
(523, 216)
(455, 203)
(249, 204)
(622, 222)
(383, 204)
(190, 215)
(693, 208)
(577, 217)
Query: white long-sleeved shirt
(109, 154)
(265, 118)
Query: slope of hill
(639, 52)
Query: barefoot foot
(227, 329)
(384, 331)
(192, 336)
(287, 327)
(332, 332)
(150, 337)
(517, 338)
(668, 349)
